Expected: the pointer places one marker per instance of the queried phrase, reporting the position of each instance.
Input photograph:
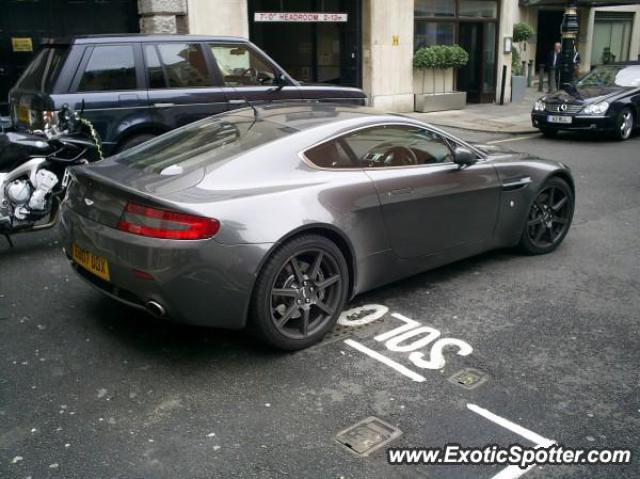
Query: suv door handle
(163, 105)
(401, 191)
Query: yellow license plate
(91, 262)
(23, 114)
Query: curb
(506, 131)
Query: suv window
(155, 72)
(111, 67)
(43, 71)
(241, 66)
(184, 64)
(382, 146)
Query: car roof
(304, 115)
(141, 37)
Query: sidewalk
(490, 117)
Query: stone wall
(163, 16)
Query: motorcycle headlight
(596, 108)
(539, 105)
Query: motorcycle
(33, 170)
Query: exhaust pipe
(156, 309)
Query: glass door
(478, 77)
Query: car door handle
(163, 105)
(239, 102)
(515, 184)
(401, 191)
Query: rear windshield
(44, 69)
(202, 144)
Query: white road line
(385, 360)
(519, 138)
(537, 439)
(512, 472)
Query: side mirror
(464, 157)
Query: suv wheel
(134, 141)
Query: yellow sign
(395, 40)
(22, 44)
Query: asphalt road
(92, 389)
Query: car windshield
(202, 144)
(611, 76)
(43, 70)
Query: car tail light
(157, 223)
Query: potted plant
(435, 90)
(521, 33)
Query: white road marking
(537, 439)
(512, 472)
(385, 360)
(518, 138)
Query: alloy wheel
(549, 217)
(306, 293)
(626, 124)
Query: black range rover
(134, 87)
(607, 99)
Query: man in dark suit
(554, 58)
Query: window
(611, 37)
(111, 67)
(434, 8)
(331, 154)
(205, 143)
(154, 68)
(240, 66)
(383, 146)
(185, 65)
(43, 71)
(478, 8)
(434, 33)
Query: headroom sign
(299, 17)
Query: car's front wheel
(549, 218)
(625, 124)
(300, 293)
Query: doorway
(477, 77)
(549, 22)
(315, 52)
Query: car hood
(585, 95)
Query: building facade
(364, 43)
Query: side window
(331, 154)
(241, 66)
(395, 145)
(184, 65)
(111, 67)
(155, 73)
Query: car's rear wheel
(549, 218)
(300, 293)
(549, 132)
(624, 125)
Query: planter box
(518, 87)
(455, 100)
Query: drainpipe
(569, 31)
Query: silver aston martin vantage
(273, 217)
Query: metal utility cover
(469, 378)
(367, 435)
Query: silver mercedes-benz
(273, 217)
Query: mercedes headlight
(539, 105)
(596, 108)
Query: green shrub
(440, 57)
(522, 32)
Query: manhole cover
(368, 435)
(469, 378)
